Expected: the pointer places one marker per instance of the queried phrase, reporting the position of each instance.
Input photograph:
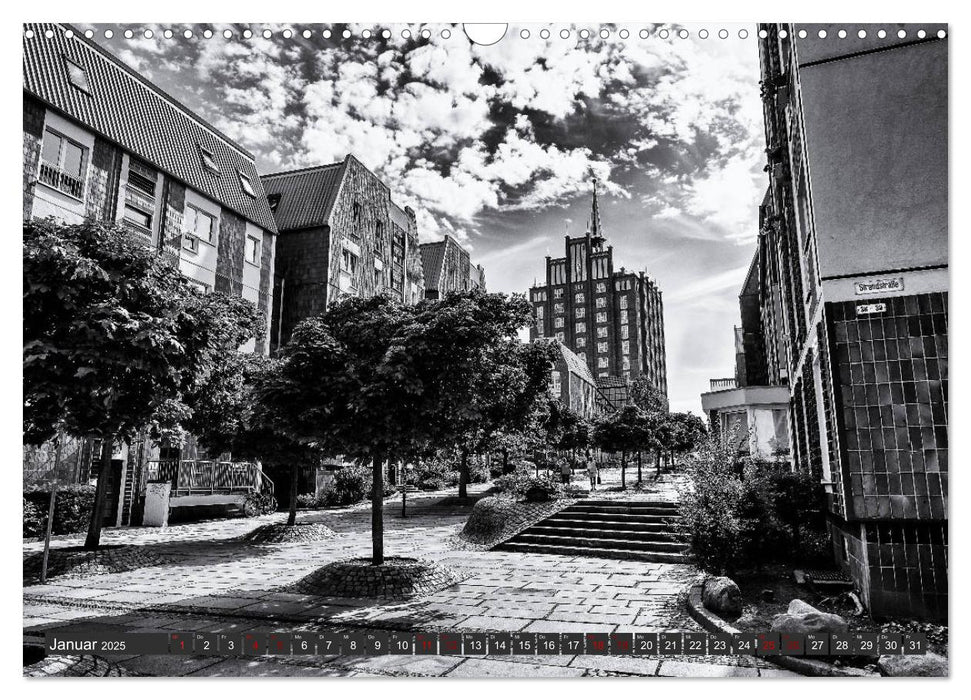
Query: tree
(681, 432)
(483, 380)
(626, 430)
(647, 396)
(115, 339)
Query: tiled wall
(33, 133)
(891, 396)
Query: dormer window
(208, 159)
(76, 75)
(246, 184)
(274, 201)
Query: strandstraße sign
(889, 284)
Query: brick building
(612, 319)
(572, 383)
(340, 235)
(745, 409)
(854, 292)
(448, 268)
(102, 143)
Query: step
(547, 528)
(600, 553)
(619, 517)
(599, 543)
(627, 510)
(612, 524)
(633, 504)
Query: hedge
(72, 509)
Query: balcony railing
(53, 176)
(195, 477)
(723, 384)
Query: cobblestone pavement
(217, 583)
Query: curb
(807, 667)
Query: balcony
(723, 384)
(191, 477)
(53, 176)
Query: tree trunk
(638, 467)
(294, 480)
(623, 470)
(505, 460)
(93, 539)
(464, 475)
(377, 511)
(657, 464)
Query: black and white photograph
(540, 350)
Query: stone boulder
(801, 618)
(721, 595)
(929, 664)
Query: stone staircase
(640, 530)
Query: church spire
(596, 231)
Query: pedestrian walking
(566, 471)
(591, 471)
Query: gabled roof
(574, 364)
(306, 196)
(432, 259)
(125, 108)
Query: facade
(612, 319)
(340, 235)
(572, 383)
(448, 268)
(102, 143)
(854, 294)
(745, 410)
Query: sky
(498, 145)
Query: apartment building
(448, 268)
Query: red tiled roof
(306, 196)
(127, 109)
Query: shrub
(72, 509)
(308, 500)
(751, 512)
(542, 489)
(350, 485)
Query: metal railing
(193, 476)
(53, 176)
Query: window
(601, 347)
(601, 302)
(626, 364)
(62, 164)
(76, 75)
(142, 178)
(557, 293)
(349, 262)
(560, 336)
(624, 332)
(582, 356)
(558, 322)
(578, 298)
(602, 362)
(199, 226)
(581, 328)
(601, 287)
(625, 347)
(209, 161)
(245, 183)
(581, 342)
(624, 318)
(580, 312)
(139, 217)
(539, 296)
(254, 250)
(539, 313)
(557, 308)
(198, 286)
(601, 317)
(602, 332)
(274, 201)
(623, 302)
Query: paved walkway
(215, 583)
